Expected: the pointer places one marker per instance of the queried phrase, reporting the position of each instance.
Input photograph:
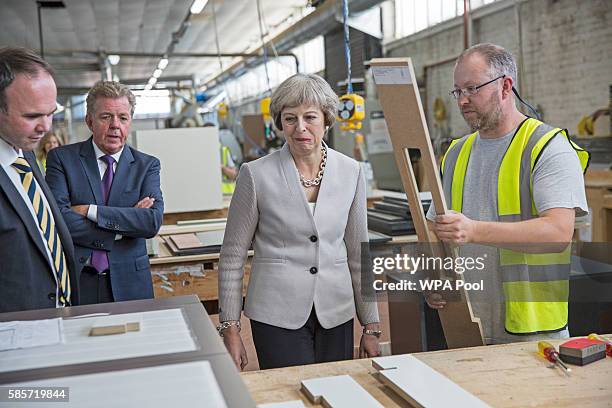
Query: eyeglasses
(471, 90)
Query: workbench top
(508, 375)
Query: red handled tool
(549, 352)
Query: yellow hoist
(222, 110)
(351, 111)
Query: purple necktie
(99, 259)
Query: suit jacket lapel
(292, 179)
(60, 225)
(21, 208)
(121, 175)
(90, 164)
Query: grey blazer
(300, 260)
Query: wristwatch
(226, 325)
(371, 332)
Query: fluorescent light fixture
(148, 87)
(152, 81)
(198, 6)
(114, 59)
(157, 73)
(163, 63)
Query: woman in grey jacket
(304, 209)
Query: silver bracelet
(371, 332)
(226, 325)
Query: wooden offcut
(399, 97)
(421, 385)
(114, 329)
(339, 391)
(186, 241)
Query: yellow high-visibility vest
(536, 286)
(227, 186)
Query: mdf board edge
(399, 97)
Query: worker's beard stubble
(485, 120)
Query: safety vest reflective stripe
(459, 150)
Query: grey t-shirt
(557, 183)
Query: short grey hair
(501, 61)
(300, 89)
(109, 89)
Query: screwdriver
(548, 351)
(607, 342)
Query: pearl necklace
(317, 180)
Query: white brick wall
(567, 55)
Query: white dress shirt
(92, 212)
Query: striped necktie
(47, 226)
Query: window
(412, 16)
(152, 103)
(311, 56)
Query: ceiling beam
(324, 19)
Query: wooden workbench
(165, 255)
(598, 186)
(508, 375)
(189, 274)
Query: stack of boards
(207, 242)
(391, 216)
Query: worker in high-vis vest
(515, 184)
(228, 171)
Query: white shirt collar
(99, 153)
(8, 155)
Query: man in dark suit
(37, 268)
(110, 197)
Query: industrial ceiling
(76, 35)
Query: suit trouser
(94, 287)
(312, 343)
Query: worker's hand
(434, 300)
(229, 172)
(80, 209)
(235, 347)
(369, 346)
(146, 202)
(454, 228)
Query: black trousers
(94, 287)
(277, 347)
